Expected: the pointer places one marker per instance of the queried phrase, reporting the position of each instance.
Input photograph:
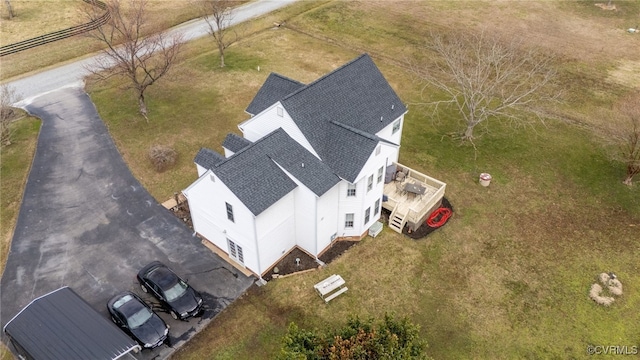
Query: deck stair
(397, 220)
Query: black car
(180, 299)
(137, 319)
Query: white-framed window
(378, 150)
(351, 189)
(370, 183)
(380, 172)
(229, 212)
(279, 111)
(235, 252)
(396, 126)
(348, 220)
(367, 215)
(376, 207)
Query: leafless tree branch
(134, 50)
(625, 133)
(484, 77)
(217, 14)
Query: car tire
(173, 315)
(144, 288)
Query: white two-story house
(309, 169)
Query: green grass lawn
(506, 278)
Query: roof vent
(302, 164)
(392, 105)
(381, 118)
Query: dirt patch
(181, 211)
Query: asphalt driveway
(87, 223)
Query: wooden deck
(409, 208)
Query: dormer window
(280, 111)
(396, 126)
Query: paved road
(86, 222)
(29, 87)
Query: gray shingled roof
(208, 158)
(274, 88)
(255, 177)
(235, 143)
(356, 95)
(62, 325)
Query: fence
(61, 34)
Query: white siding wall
(364, 199)
(228, 153)
(209, 214)
(201, 170)
(276, 231)
(387, 134)
(268, 121)
(305, 210)
(327, 217)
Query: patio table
(414, 188)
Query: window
(351, 189)
(348, 220)
(370, 183)
(376, 207)
(235, 252)
(230, 212)
(279, 111)
(367, 214)
(378, 150)
(380, 172)
(396, 126)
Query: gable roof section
(355, 95)
(274, 88)
(208, 158)
(235, 143)
(62, 325)
(254, 175)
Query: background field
(508, 276)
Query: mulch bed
(288, 264)
(425, 229)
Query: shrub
(358, 339)
(162, 157)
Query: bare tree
(625, 132)
(10, 11)
(133, 49)
(484, 77)
(8, 97)
(217, 15)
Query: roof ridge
(324, 76)
(357, 131)
(246, 148)
(286, 78)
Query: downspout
(315, 227)
(255, 238)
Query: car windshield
(176, 291)
(139, 318)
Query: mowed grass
(506, 278)
(15, 162)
